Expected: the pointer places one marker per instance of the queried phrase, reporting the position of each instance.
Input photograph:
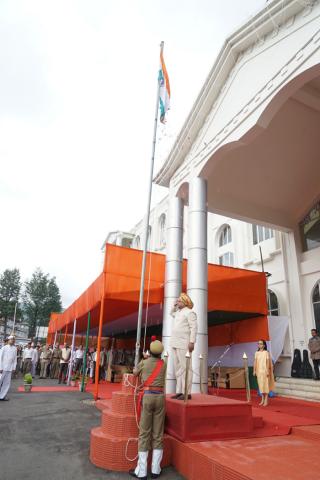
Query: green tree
(10, 287)
(41, 297)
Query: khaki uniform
(45, 357)
(153, 408)
(55, 363)
(184, 331)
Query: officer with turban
(152, 372)
(183, 338)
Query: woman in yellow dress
(264, 372)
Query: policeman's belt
(153, 392)
(154, 389)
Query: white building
(249, 151)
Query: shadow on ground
(45, 436)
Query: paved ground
(45, 436)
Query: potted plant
(73, 381)
(27, 382)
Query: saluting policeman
(153, 373)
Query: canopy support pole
(84, 368)
(97, 372)
(72, 350)
(146, 224)
(65, 333)
(55, 338)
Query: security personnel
(152, 372)
(55, 362)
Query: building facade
(244, 173)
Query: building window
(260, 234)
(310, 229)
(162, 230)
(149, 237)
(273, 304)
(316, 305)
(226, 259)
(136, 242)
(225, 236)
(126, 242)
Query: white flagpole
(146, 224)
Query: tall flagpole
(146, 224)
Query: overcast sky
(77, 93)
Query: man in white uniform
(27, 359)
(183, 339)
(8, 363)
(34, 360)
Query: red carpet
(58, 388)
(105, 389)
(282, 411)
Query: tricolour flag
(164, 90)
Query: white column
(198, 274)
(298, 330)
(173, 279)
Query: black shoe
(182, 397)
(155, 475)
(178, 395)
(4, 399)
(131, 472)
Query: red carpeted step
(103, 404)
(109, 452)
(119, 425)
(257, 422)
(310, 432)
(122, 403)
(208, 418)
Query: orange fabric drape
(242, 331)
(229, 289)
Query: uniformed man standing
(65, 355)
(153, 373)
(55, 361)
(45, 356)
(183, 339)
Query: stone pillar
(173, 278)
(198, 274)
(299, 333)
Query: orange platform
(206, 417)
(114, 445)
(286, 447)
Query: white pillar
(173, 279)
(298, 331)
(198, 274)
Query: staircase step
(123, 403)
(286, 392)
(119, 425)
(296, 386)
(298, 381)
(119, 454)
(103, 404)
(310, 432)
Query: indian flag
(164, 90)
